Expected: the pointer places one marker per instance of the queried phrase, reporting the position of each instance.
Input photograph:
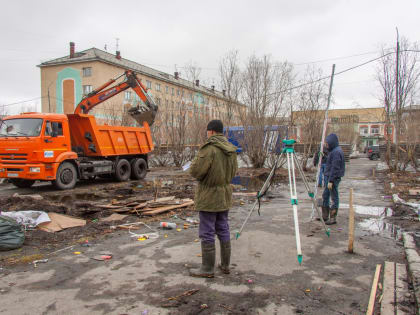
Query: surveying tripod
(289, 150)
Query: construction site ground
(150, 276)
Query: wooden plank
(351, 222)
(387, 304)
(372, 298)
(401, 287)
(164, 209)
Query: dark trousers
(212, 223)
(333, 193)
(321, 175)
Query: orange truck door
(54, 140)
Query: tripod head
(288, 145)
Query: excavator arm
(141, 113)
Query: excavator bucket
(143, 114)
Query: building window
(127, 95)
(364, 130)
(87, 89)
(157, 87)
(173, 91)
(167, 103)
(178, 92)
(374, 129)
(87, 72)
(167, 89)
(148, 84)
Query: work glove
(330, 186)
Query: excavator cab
(144, 112)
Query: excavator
(65, 148)
(140, 113)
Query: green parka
(214, 167)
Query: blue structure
(276, 134)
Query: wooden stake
(351, 222)
(372, 298)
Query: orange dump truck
(63, 148)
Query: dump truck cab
(32, 145)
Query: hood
(332, 141)
(222, 143)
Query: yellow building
(66, 80)
(368, 124)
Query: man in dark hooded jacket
(334, 170)
(214, 167)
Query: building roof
(95, 54)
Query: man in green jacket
(214, 167)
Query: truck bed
(90, 139)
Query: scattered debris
(35, 262)
(77, 253)
(114, 217)
(28, 218)
(102, 257)
(186, 293)
(167, 225)
(60, 222)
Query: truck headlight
(35, 169)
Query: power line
(34, 99)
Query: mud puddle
(377, 223)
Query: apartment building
(368, 125)
(66, 80)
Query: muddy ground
(151, 276)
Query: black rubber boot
(333, 216)
(225, 257)
(208, 253)
(325, 213)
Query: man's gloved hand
(330, 185)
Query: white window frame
(127, 95)
(87, 71)
(87, 89)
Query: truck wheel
(122, 170)
(22, 183)
(66, 176)
(138, 168)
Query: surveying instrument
(289, 151)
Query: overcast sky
(162, 34)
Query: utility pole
(49, 102)
(397, 104)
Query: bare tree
(192, 71)
(114, 114)
(311, 100)
(231, 83)
(399, 88)
(265, 92)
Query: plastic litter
(167, 225)
(28, 218)
(77, 253)
(35, 262)
(186, 166)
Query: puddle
(369, 210)
(377, 224)
(248, 183)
